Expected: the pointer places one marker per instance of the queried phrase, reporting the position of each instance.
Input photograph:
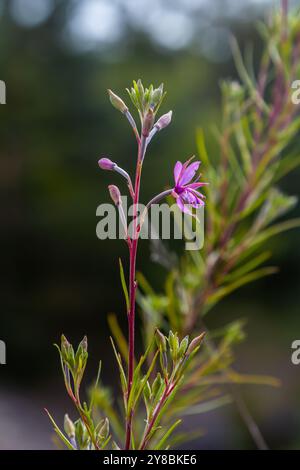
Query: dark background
(57, 58)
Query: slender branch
(77, 403)
(154, 200)
(147, 434)
(133, 125)
(132, 286)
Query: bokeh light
(30, 13)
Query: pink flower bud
(148, 122)
(106, 164)
(195, 343)
(115, 194)
(164, 121)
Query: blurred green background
(57, 58)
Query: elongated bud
(183, 346)
(66, 349)
(157, 95)
(148, 122)
(104, 430)
(174, 344)
(81, 434)
(115, 194)
(161, 340)
(117, 102)
(163, 121)
(195, 343)
(69, 427)
(84, 344)
(64, 342)
(140, 87)
(106, 164)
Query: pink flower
(185, 190)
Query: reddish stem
(132, 286)
(165, 396)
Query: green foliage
(151, 393)
(145, 99)
(259, 124)
(84, 433)
(256, 140)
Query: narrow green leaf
(144, 380)
(224, 291)
(124, 285)
(105, 443)
(275, 230)
(208, 405)
(245, 268)
(286, 165)
(200, 139)
(95, 387)
(59, 433)
(144, 284)
(118, 335)
(136, 380)
(162, 442)
(239, 63)
(122, 373)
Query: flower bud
(195, 343)
(183, 346)
(140, 88)
(84, 344)
(69, 427)
(157, 95)
(163, 121)
(65, 343)
(117, 102)
(148, 122)
(104, 430)
(106, 164)
(82, 435)
(67, 350)
(173, 344)
(160, 340)
(115, 194)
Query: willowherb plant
(259, 123)
(160, 372)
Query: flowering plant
(159, 382)
(259, 123)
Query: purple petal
(196, 194)
(177, 171)
(188, 173)
(198, 197)
(188, 197)
(182, 206)
(196, 185)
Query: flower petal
(188, 173)
(177, 171)
(198, 197)
(196, 185)
(183, 207)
